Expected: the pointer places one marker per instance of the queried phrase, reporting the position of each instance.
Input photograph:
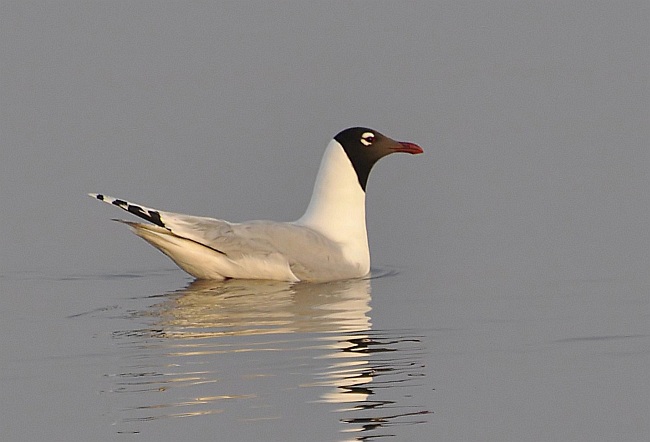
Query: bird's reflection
(242, 307)
(347, 363)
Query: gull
(329, 242)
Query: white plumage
(329, 242)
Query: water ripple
(255, 350)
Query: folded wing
(210, 248)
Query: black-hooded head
(366, 146)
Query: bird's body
(329, 242)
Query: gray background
(534, 120)
(534, 117)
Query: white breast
(338, 207)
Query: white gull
(329, 242)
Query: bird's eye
(367, 138)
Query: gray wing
(308, 252)
(311, 256)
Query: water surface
(155, 356)
(250, 360)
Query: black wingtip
(150, 215)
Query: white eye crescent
(367, 138)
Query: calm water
(153, 356)
(236, 361)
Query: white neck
(338, 205)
